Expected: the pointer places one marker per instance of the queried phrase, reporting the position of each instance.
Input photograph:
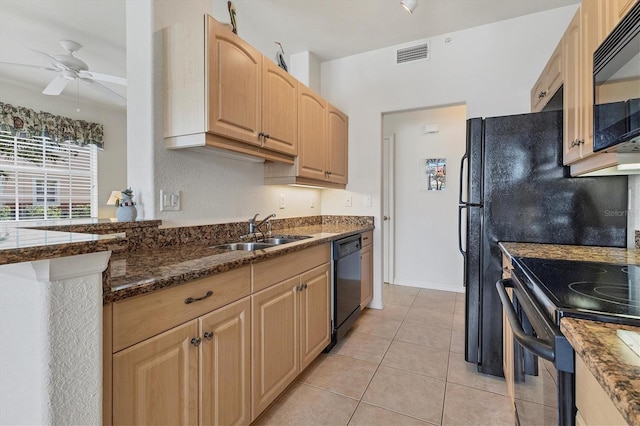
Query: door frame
(388, 209)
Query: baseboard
(429, 285)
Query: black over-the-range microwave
(616, 84)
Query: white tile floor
(402, 365)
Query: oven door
(542, 392)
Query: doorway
(421, 152)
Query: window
(41, 179)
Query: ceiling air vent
(413, 53)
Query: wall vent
(413, 53)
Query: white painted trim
(429, 285)
(61, 268)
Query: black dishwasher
(345, 288)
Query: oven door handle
(537, 346)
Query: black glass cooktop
(601, 291)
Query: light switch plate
(348, 201)
(169, 201)
(367, 201)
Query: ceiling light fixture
(409, 5)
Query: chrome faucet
(253, 226)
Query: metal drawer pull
(197, 299)
(196, 341)
(208, 335)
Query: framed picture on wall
(433, 174)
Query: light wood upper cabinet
(549, 82)
(323, 133)
(312, 134)
(235, 85)
(156, 381)
(337, 157)
(572, 96)
(279, 109)
(366, 269)
(611, 12)
(219, 91)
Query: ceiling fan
(70, 68)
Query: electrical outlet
(367, 201)
(313, 202)
(348, 201)
(169, 201)
(281, 201)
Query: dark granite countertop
(144, 271)
(613, 364)
(577, 253)
(18, 244)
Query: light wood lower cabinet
(594, 405)
(156, 382)
(196, 373)
(211, 352)
(291, 326)
(366, 269)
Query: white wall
(490, 69)
(426, 254)
(112, 161)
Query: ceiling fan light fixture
(409, 5)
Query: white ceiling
(329, 28)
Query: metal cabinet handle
(304, 286)
(542, 94)
(208, 335)
(196, 341)
(196, 299)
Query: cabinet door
(312, 134)
(279, 109)
(508, 353)
(235, 85)
(366, 275)
(156, 381)
(338, 133)
(315, 313)
(572, 96)
(589, 43)
(274, 342)
(225, 397)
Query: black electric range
(589, 290)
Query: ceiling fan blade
(103, 77)
(115, 97)
(28, 66)
(56, 86)
(51, 59)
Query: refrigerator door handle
(462, 251)
(462, 163)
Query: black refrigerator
(516, 189)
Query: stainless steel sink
(266, 243)
(278, 241)
(244, 246)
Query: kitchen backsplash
(146, 234)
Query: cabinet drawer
(279, 269)
(145, 316)
(367, 238)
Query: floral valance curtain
(27, 122)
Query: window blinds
(41, 179)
